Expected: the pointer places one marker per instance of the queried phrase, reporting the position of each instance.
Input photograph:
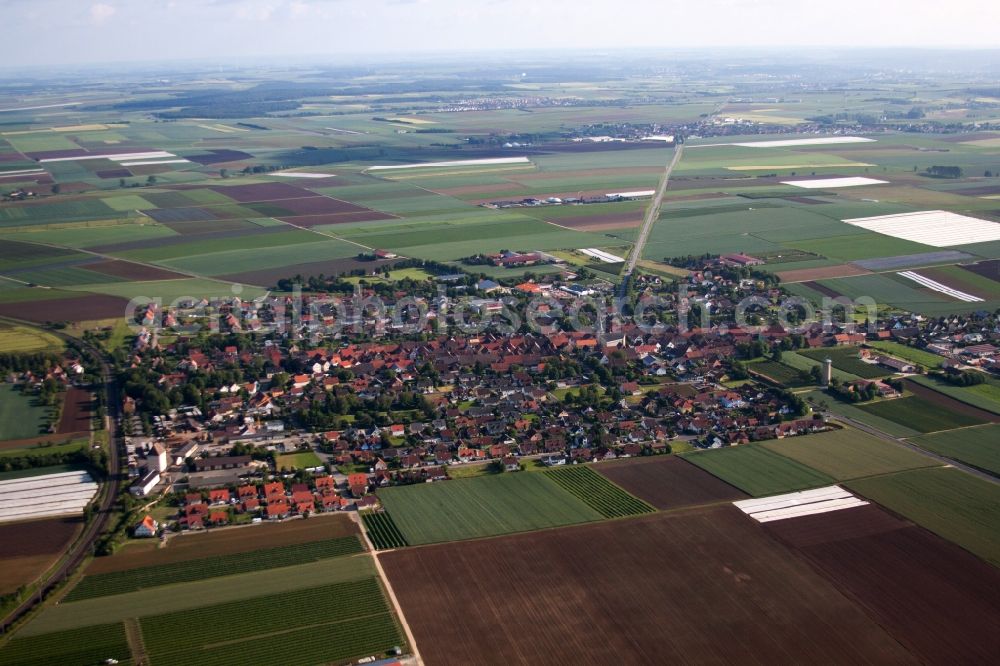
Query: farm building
(144, 485)
(147, 528)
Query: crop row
(597, 492)
(382, 530)
(119, 582)
(89, 645)
(266, 614)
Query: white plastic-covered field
(823, 183)
(601, 255)
(302, 174)
(630, 195)
(153, 162)
(816, 141)
(794, 505)
(938, 287)
(936, 228)
(22, 173)
(117, 157)
(64, 493)
(455, 163)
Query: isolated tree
(55, 188)
(224, 173)
(151, 180)
(121, 182)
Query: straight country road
(652, 213)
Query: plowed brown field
(28, 549)
(668, 482)
(700, 586)
(938, 600)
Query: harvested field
(187, 547)
(823, 289)
(939, 601)
(605, 593)
(86, 307)
(668, 482)
(131, 271)
(364, 215)
(626, 220)
(77, 407)
(27, 549)
(822, 273)
(988, 269)
(219, 156)
(262, 192)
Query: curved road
(652, 213)
(82, 547)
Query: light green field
(978, 446)
(848, 454)
(24, 339)
(758, 471)
(170, 290)
(484, 506)
(947, 501)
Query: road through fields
(652, 213)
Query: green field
(184, 596)
(20, 416)
(119, 582)
(919, 414)
(598, 492)
(314, 625)
(819, 398)
(300, 460)
(797, 361)
(955, 505)
(382, 530)
(978, 447)
(846, 359)
(779, 373)
(907, 353)
(848, 454)
(483, 506)
(89, 645)
(758, 471)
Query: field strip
(453, 163)
(820, 183)
(937, 286)
(799, 166)
(186, 596)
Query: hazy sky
(41, 32)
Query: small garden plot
(937, 228)
(821, 183)
(597, 492)
(849, 454)
(758, 471)
(920, 414)
(300, 460)
(382, 530)
(945, 500)
(978, 447)
(907, 353)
